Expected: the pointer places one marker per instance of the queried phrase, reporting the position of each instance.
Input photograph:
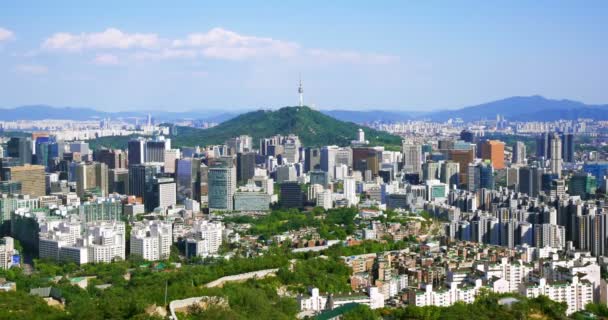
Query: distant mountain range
(312, 127)
(43, 112)
(532, 108)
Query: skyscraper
(92, 177)
(328, 159)
(20, 148)
(245, 166)
(312, 159)
(350, 191)
(188, 179)
(141, 178)
(450, 173)
(568, 147)
(412, 157)
(494, 151)
(136, 149)
(222, 186)
(155, 149)
(556, 155)
(519, 152)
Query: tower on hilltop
(301, 93)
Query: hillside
(313, 127)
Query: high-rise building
(530, 178)
(519, 152)
(450, 173)
(568, 147)
(312, 159)
(412, 157)
(222, 186)
(31, 177)
(367, 160)
(91, 177)
(136, 150)
(245, 166)
(163, 194)
(188, 179)
(141, 177)
(463, 158)
(170, 156)
(154, 150)
(20, 148)
(582, 184)
(328, 159)
(494, 151)
(350, 191)
(431, 170)
(114, 159)
(556, 155)
(118, 181)
(291, 195)
(480, 176)
(543, 148)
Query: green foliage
(314, 129)
(329, 275)
(367, 246)
(22, 306)
(337, 223)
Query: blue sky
(231, 55)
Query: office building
(412, 157)
(222, 186)
(245, 166)
(188, 179)
(114, 159)
(91, 177)
(291, 195)
(31, 177)
(20, 148)
(312, 159)
(494, 151)
(163, 194)
(141, 178)
(170, 156)
(154, 150)
(136, 151)
(519, 153)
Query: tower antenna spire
(301, 92)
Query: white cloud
(32, 69)
(111, 38)
(106, 59)
(225, 44)
(217, 43)
(6, 34)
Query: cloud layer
(217, 43)
(6, 34)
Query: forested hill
(313, 127)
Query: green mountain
(313, 127)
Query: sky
(358, 55)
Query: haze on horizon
(237, 55)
